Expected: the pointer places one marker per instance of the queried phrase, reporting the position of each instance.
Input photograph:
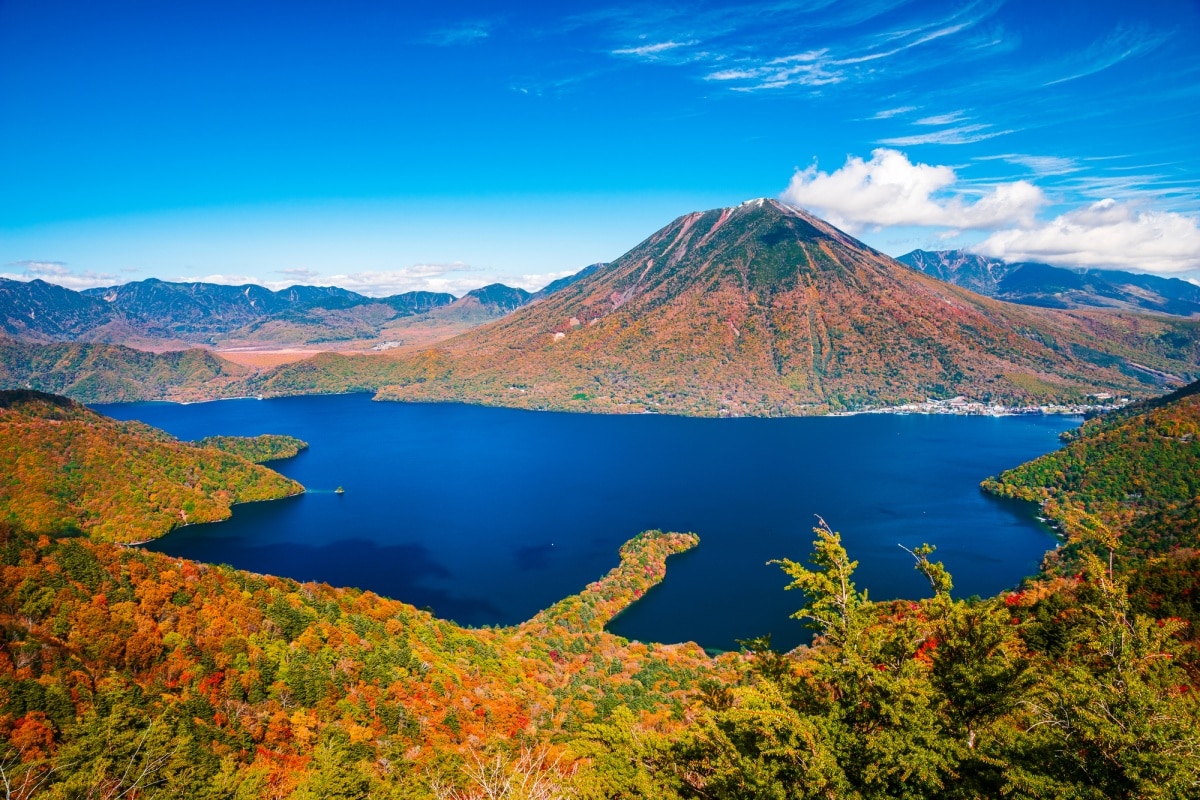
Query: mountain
(765, 309)
(65, 468)
(485, 303)
(39, 310)
(563, 283)
(475, 308)
(160, 311)
(959, 267)
(1033, 283)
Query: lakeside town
(963, 406)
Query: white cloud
(810, 68)
(963, 134)
(1105, 234)
(888, 113)
(891, 190)
(943, 119)
(58, 273)
(652, 49)
(457, 278)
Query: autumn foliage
(65, 469)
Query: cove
(488, 515)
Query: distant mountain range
(1036, 284)
(765, 309)
(156, 312)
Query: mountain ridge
(154, 312)
(1048, 286)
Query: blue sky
(387, 147)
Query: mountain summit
(763, 308)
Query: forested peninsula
(64, 470)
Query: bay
(487, 515)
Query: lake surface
(488, 515)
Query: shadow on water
(396, 570)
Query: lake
(487, 515)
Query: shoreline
(174, 528)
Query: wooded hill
(103, 373)
(127, 673)
(65, 469)
(1127, 484)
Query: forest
(1127, 487)
(65, 469)
(126, 673)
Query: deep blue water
(488, 515)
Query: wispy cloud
(888, 113)
(1042, 166)
(457, 278)
(651, 50)
(746, 42)
(460, 34)
(803, 69)
(1123, 43)
(890, 190)
(943, 119)
(963, 134)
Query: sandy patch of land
(267, 358)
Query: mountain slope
(104, 373)
(1032, 283)
(562, 283)
(39, 310)
(1129, 480)
(65, 468)
(959, 267)
(765, 309)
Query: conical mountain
(763, 308)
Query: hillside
(1128, 484)
(131, 673)
(65, 469)
(764, 309)
(102, 373)
(473, 309)
(215, 682)
(1035, 284)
